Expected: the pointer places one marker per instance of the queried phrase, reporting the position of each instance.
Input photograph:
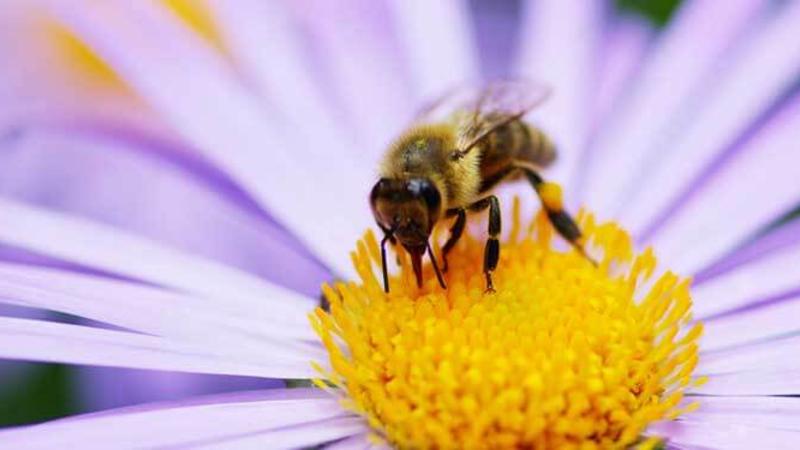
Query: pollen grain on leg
(564, 355)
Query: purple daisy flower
(206, 167)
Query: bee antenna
(436, 267)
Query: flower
(227, 99)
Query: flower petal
(301, 436)
(97, 172)
(187, 425)
(374, 94)
(36, 340)
(439, 44)
(768, 412)
(357, 442)
(758, 174)
(781, 382)
(563, 57)
(766, 277)
(726, 436)
(131, 305)
(91, 244)
(688, 52)
(202, 98)
(769, 356)
(767, 321)
(622, 53)
(764, 68)
(268, 49)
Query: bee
(461, 147)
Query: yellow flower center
(564, 355)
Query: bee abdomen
(535, 146)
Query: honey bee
(445, 165)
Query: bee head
(408, 209)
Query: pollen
(564, 354)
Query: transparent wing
(477, 110)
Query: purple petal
(766, 162)
(563, 57)
(201, 97)
(269, 51)
(767, 412)
(104, 388)
(81, 241)
(439, 44)
(101, 177)
(357, 442)
(685, 55)
(179, 425)
(300, 436)
(769, 321)
(364, 66)
(73, 344)
(760, 72)
(787, 235)
(764, 278)
(782, 382)
(130, 305)
(768, 356)
(622, 53)
(727, 436)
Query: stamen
(564, 355)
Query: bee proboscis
(445, 165)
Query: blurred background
(37, 392)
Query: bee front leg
(491, 255)
(550, 195)
(455, 233)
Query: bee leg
(436, 267)
(551, 201)
(385, 270)
(455, 233)
(491, 255)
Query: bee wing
(478, 110)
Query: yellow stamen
(564, 355)
(87, 66)
(198, 17)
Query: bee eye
(420, 187)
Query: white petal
(559, 48)
(98, 246)
(217, 419)
(685, 54)
(73, 344)
(761, 72)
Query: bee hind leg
(491, 255)
(455, 233)
(551, 201)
